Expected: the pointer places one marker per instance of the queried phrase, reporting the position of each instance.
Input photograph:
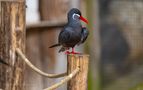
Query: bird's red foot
(73, 52)
(67, 52)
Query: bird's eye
(74, 16)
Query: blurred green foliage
(137, 87)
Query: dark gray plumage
(84, 35)
(72, 33)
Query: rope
(18, 51)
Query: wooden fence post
(12, 36)
(79, 82)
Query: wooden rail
(45, 24)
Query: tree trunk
(12, 36)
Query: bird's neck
(74, 23)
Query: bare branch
(18, 51)
(66, 79)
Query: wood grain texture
(12, 35)
(79, 82)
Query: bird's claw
(75, 52)
(67, 52)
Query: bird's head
(75, 14)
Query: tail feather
(55, 45)
(62, 49)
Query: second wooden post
(79, 82)
(12, 36)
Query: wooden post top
(79, 82)
(87, 55)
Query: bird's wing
(84, 35)
(69, 36)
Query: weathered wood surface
(79, 82)
(12, 35)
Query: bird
(72, 33)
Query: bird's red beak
(83, 19)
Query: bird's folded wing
(84, 34)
